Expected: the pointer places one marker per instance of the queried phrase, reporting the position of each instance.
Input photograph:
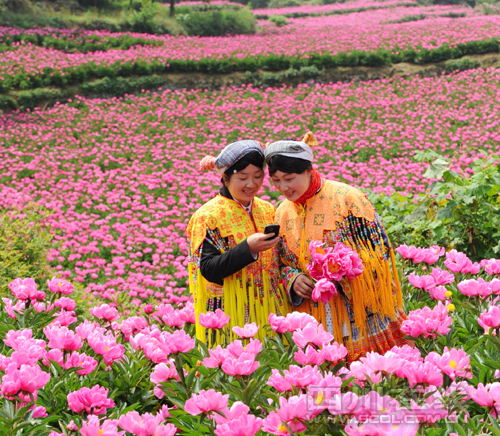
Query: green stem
(180, 371)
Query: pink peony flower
(348, 404)
(474, 288)
(491, 266)
(294, 412)
(59, 285)
(132, 325)
(206, 402)
(312, 334)
(92, 427)
(213, 320)
(455, 363)
(422, 282)
(245, 425)
(11, 309)
(243, 365)
(25, 289)
(459, 262)
(309, 357)
(177, 342)
(248, 331)
(324, 290)
(168, 315)
(442, 277)
(163, 373)
(91, 400)
(106, 346)
(406, 252)
(84, 329)
(299, 320)
(278, 382)
(27, 379)
(488, 396)
(236, 348)
(65, 303)
(427, 322)
(490, 318)
(426, 374)
(334, 352)
(140, 425)
(278, 323)
(273, 424)
(334, 263)
(62, 338)
(217, 357)
(64, 318)
(438, 293)
(237, 409)
(104, 311)
(87, 363)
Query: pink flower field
(366, 31)
(120, 175)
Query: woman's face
(245, 184)
(292, 185)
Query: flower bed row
(89, 69)
(72, 41)
(147, 375)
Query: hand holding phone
(272, 228)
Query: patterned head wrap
(296, 149)
(231, 154)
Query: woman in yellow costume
(366, 314)
(234, 265)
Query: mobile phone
(272, 228)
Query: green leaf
(436, 169)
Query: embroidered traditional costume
(217, 233)
(366, 315)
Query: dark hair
(252, 158)
(288, 165)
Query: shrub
(461, 65)
(458, 212)
(408, 18)
(7, 102)
(279, 20)
(119, 86)
(283, 3)
(24, 244)
(218, 23)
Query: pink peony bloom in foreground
(309, 357)
(438, 293)
(65, 303)
(475, 288)
(245, 425)
(334, 352)
(294, 412)
(59, 285)
(425, 374)
(217, 357)
(459, 262)
(312, 334)
(62, 338)
(246, 332)
(299, 320)
(278, 323)
(455, 363)
(213, 320)
(422, 282)
(236, 348)
(491, 266)
(140, 425)
(490, 318)
(104, 311)
(243, 365)
(206, 402)
(427, 322)
(93, 427)
(26, 289)
(27, 379)
(488, 396)
(106, 346)
(176, 342)
(442, 277)
(333, 263)
(237, 409)
(163, 373)
(87, 363)
(91, 400)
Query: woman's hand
(303, 286)
(258, 242)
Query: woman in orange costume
(366, 314)
(233, 265)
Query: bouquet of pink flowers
(329, 265)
